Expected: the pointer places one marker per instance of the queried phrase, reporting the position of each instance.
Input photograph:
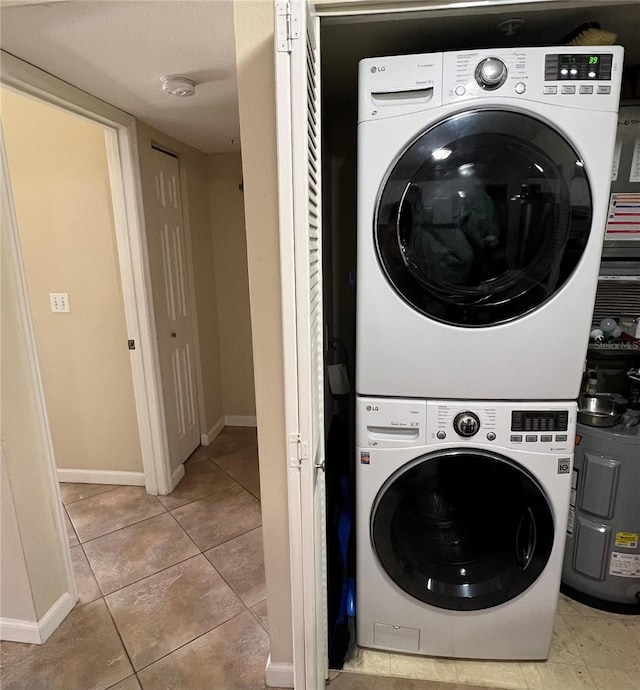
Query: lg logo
(372, 408)
(378, 69)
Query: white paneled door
(299, 178)
(168, 262)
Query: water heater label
(627, 540)
(624, 564)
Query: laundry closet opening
(345, 40)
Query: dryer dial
(491, 73)
(466, 423)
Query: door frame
(126, 191)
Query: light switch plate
(59, 301)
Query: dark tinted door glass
(483, 218)
(462, 530)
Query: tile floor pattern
(171, 588)
(171, 597)
(591, 650)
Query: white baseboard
(279, 674)
(229, 420)
(240, 420)
(207, 439)
(176, 476)
(101, 477)
(30, 632)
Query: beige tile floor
(171, 588)
(171, 597)
(591, 650)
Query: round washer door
(483, 218)
(462, 530)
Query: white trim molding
(30, 632)
(103, 477)
(126, 188)
(279, 674)
(240, 420)
(208, 438)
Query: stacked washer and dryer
(483, 181)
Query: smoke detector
(178, 86)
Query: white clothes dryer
(483, 192)
(461, 517)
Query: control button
(460, 90)
(491, 436)
(546, 439)
(564, 71)
(549, 89)
(491, 73)
(568, 88)
(441, 435)
(604, 89)
(561, 437)
(592, 75)
(466, 423)
(516, 438)
(586, 89)
(521, 87)
(573, 71)
(530, 439)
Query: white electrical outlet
(59, 301)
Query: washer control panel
(466, 424)
(538, 427)
(491, 73)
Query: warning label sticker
(365, 458)
(623, 219)
(628, 540)
(624, 564)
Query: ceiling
(118, 50)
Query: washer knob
(466, 423)
(491, 73)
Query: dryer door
(483, 218)
(462, 530)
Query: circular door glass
(483, 218)
(462, 530)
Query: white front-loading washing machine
(461, 517)
(483, 191)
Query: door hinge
(287, 26)
(298, 450)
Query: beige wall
(256, 87)
(193, 170)
(59, 175)
(226, 203)
(25, 473)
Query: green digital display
(578, 66)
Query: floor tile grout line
(187, 643)
(125, 527)
(157, 572)
(182, 505)
(84, 498)
(229, 585)
(175, 519)
(118, 529)
(115, 625)
(226, 541)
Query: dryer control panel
(407, 423)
